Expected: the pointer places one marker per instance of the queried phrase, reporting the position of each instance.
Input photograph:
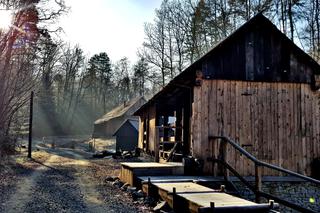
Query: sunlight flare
(5, 19)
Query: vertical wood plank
(152, 127)
(298, 142)
(303, 130)
(248, 167)
(236, 156)
(213, 120)
(273, 129)
(141, 132)
(233, 113)
(205, 149)
(309, 129)
(196, 139)
(280, 124)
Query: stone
(149, 201)
(125, 186)
(138, 195)
(162, 206)
(131, 189)
(117, 183)
(111, 178)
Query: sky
(112, 26)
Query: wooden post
(186, 124)
(174, 200)
(166, 130)
(156, 145)
(222, 188)
(258, 182)
(271, 203)
(225, 159)
(30, 125)
(178, 135)
(149, 187)
(212, 206)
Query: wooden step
(130, 171)
(178, 178)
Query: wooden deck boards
(188, 196)
(182, 187)
(179, 178)
(191, 196)
(219, 199)
(130, 171)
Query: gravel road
(66, 181)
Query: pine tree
(139, 76)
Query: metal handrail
(263, 194)
(257, 188)
(261, 163)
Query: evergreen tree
(139, 77)
(98, 77)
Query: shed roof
(133, 121)
(187, 77)
(127, 108)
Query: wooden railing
(258, 174)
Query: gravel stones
(117, 183)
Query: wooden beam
(156, 145)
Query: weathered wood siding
(279, 123)
(149, 116)
(257, 54)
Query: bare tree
(19, 48)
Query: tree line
(75, 90)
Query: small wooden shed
(107, 125)
(256, 87)
(127, 135)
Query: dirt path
(64, 183)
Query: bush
(7, 146)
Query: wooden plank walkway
(200, 200)
(192, 197)
(183, 193)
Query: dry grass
(105, 167)
(101, 144)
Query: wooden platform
(184, 193)
(192, 197)
(130, 171)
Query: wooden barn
(107, 125)
(255, 91)
(127, 135)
